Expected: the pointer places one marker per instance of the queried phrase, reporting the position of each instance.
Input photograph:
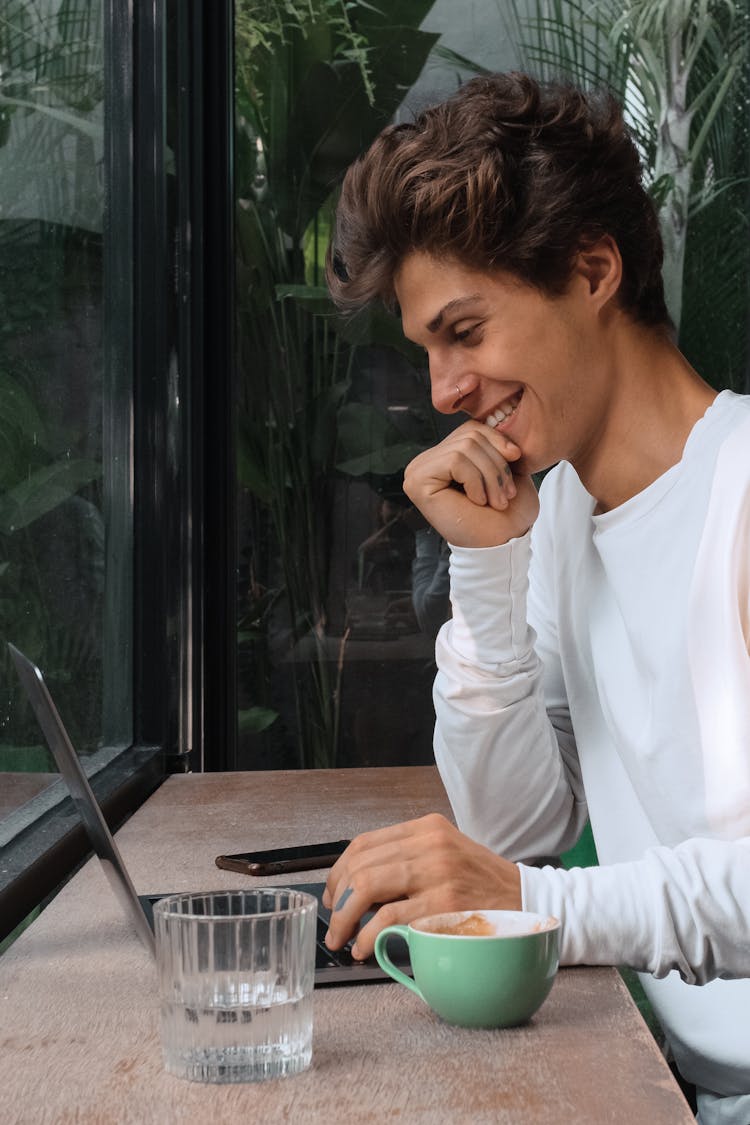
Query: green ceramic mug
(478, 968)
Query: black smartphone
(279, 861)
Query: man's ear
(600, 265)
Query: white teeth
(499, 415)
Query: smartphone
(279, 861)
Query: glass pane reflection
(335, 668)
(54, 501)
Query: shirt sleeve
(685, 908)
(511, 774)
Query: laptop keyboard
(326, 958)
(332, 966)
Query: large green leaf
(21, 430)
(314, 298)
(370, 443)
(369, 325)
(373, 325)
(391, 13)
(73, 121)
(383, 462)
(44, 490)
(314, 108)
(51, 109)
(255, 719)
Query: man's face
(504, 353)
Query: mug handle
(382, 958)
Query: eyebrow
(452, 306)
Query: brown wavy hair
(508, 174)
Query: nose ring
(458, 391)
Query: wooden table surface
(79, 1015)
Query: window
(73, 450)
(334, 668)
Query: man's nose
(445, 385)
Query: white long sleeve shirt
(600, 667)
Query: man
(596, 663)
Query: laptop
(331, 967)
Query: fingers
(364, 844)
(504, 446)
(485, 477)
(390, 914)
(466, 489)
(378, 867)
(473, 457)
(476, 459)
(412, 870)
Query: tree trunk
(673, 160)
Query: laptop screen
(88, 808)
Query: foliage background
(51, 526)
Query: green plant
(51, 133)
(684, 59)
(316, 82)
(680, 68)
(51, 110)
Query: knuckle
(359, 881)
(452, 897)
(356, 846)
(433, 821)
(389, 913)
(439, 828)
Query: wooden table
(79, 1020)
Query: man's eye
(463, 334)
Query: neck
(654, 398)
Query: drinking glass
(236, 973)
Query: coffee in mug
(478, 968)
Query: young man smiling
(596, 663)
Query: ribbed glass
(236, 973)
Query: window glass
(65, 564)
(334, 665)
(341, 585)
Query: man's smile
(504, 411)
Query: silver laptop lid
(88, 808)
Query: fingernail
(325, 939)
(355, 953)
